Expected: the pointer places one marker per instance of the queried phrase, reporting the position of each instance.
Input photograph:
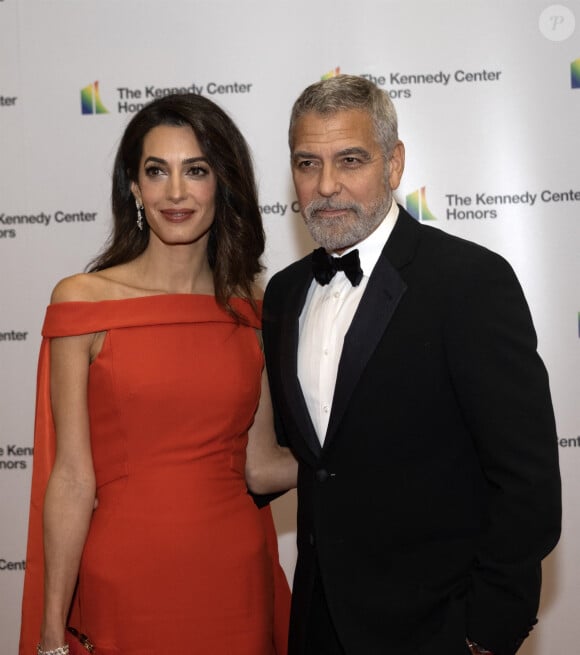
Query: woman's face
(175, 185)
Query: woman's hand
(269, 466)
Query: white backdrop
(489, 106)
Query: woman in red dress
(153, 398)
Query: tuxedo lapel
(289, 359)
(377, 306)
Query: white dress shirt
(325, 320)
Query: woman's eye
(197, 171)
(152, 171)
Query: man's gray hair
(346, 92)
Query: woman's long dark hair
(236, 239)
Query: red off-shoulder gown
(178, 558)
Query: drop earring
(139, 215)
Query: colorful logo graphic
(91, 101)
(416, 203)
(575, 74)
(331, 73)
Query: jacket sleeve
(503, 391)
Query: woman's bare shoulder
(83, 287)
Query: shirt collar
(370, 249)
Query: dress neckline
(82, 317)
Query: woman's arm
(70, 493)
(269, 466)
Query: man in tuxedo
(410, 390)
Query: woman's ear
(136, 193)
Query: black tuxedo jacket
(437, 491)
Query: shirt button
(325, 351)
(336, 294)
(325, 409)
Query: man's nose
(329, 181)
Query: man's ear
(396, 165)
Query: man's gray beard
(340, 232)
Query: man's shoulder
(295, 270)
(284, 283)
(449, 247)
(449, 257)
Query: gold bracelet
(61, 650)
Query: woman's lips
(176, 215)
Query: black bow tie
(324, 266)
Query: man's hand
(476, 649)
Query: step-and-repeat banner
(488, 95)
